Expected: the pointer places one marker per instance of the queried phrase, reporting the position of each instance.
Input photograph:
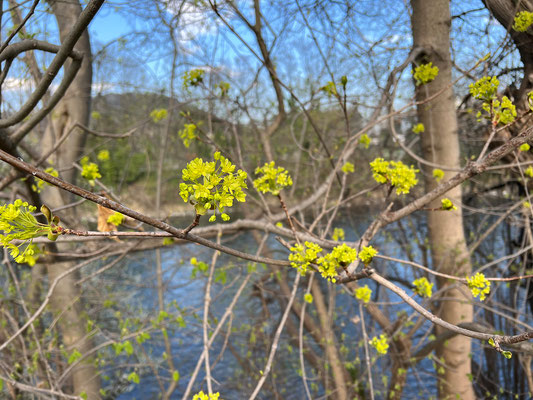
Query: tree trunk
(440, 144)
(504, 11)
(73, 108)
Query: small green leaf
(175, 376)
(134, 377)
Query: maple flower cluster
(209, 186)
(341, 256)
(423, 287)
(425, 73)
(18, 223)
(499, 111)
(479, 285)
(272, 179)
(395, 173)
(380, 344)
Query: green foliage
(479, 285)
(380, 344)
(18, 223)
(134, 377)
(363, 293)
(395, 173)
(425, 73)
(198, 266)
(224, 88)
(423, 287)
(176, 376)
(330, 88)
(40, 183)
(367, 254)
(187, 134)
(212, 186)
(419, 128)
(116, 218)
(447, 205)
(74, 356)
(438, 174)
(158, 114)
(89, 170)
(522, 21)
(272, 179)
(193, 78)
(347, 168)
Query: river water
(239, 359)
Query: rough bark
(504, 11)
(73, 108)
(440, 144)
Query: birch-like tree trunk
(440, 144)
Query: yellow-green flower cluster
(103, 155)
(425, 73)
(17, 223)
(438, 174)
(347, 168)
(504, 111)
(485, 89)
(89, 170)
(193, 78)
(363, 293)
(522, 21)
(365, 140)
(380, 344)
(212, 187)
(303, 255)
(308, 298)
(423, 287)
(40, 183)
(116, 218)
(447, 205)
(202, 396)
(367, 254)
(338, 234)
(158, 114)
(525, 147)
(272, 179)
(479, 285)
(187, 134)
(340, 256)
(529, 171)
(396, 173)
(419, 128)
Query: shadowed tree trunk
(440, 144)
